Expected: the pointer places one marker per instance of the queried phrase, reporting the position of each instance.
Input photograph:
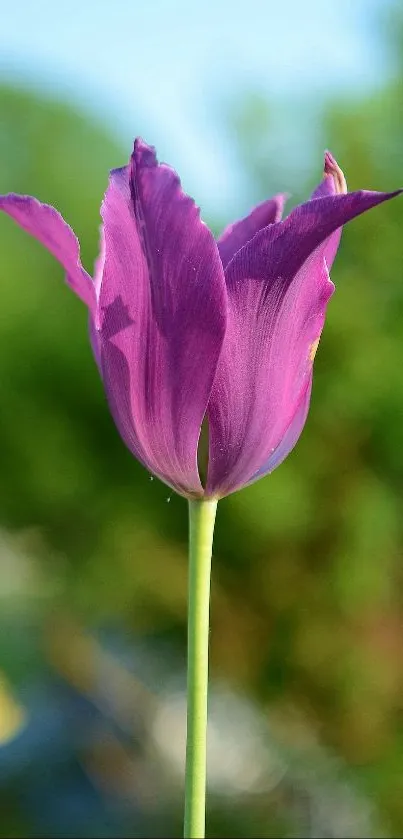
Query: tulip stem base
(201, 529)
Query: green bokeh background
(307, 606)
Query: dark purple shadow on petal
(115, 317)
(143, 158)
(94, 341)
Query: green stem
(201, 528)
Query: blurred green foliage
(307, 606)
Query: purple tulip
(186, 329)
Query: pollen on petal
(312, 350)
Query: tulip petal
(290, 438)
(161, 317)
(47, 225)
(328, 187)
(278, 287)
(236, 235)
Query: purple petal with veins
(185, 329)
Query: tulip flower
(187, 329)
(191, 333)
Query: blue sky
(164, 69)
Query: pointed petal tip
(332, 168)
(281, 199)
(329, 160)
(144, 159)
(238, 234)
(9, 199)
(143, 154)
(379, 197)
(270, 210)
(44, 223)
